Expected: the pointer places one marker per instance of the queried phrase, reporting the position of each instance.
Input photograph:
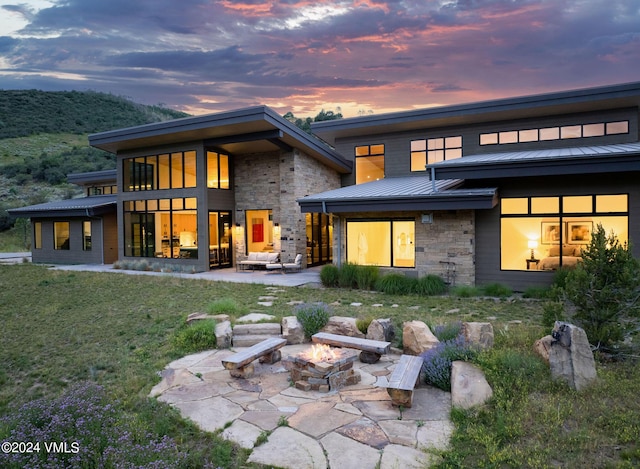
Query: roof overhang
(242, 131)
(82, 207)
(107, 176)
(549, 104)
(400, 194)
(551, 162)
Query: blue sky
(361, 56)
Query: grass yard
(62, 328)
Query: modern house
(497, 191)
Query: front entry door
(219, 239)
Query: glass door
(319, 239)
(219, 239)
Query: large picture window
(386, 243)
(166, 171)
(546, 233)
(161, 228)
(369, 163)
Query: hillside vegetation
(30, 112)
(44, 137)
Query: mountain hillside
(31, 112)
(44, 137)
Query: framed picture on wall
(550, 232)
(579, 232)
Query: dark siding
(488, 221)
(75, 254)
(110, 241)
(398, 145)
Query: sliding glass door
(219, 239)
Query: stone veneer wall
(449, 238)
(275, 181)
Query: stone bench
(372, 350)
(240, 365)
(403, 379)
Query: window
(546, 233)
(369, 163)
(161, 228)
(174, 171)
(101, 190)
(597, 129)
(37, 235)
(61, 235)
(386, 243)
(86, 236)
(217, 170)
(434, 150)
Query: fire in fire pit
(322, 368)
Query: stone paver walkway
(354, 427)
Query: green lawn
(59, 328)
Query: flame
(321, 353)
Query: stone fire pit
(323, 368)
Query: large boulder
(479, 334)
(343, 326)
(570, 356)
(381, 329)
(417, 338)
(292, 330)
(224, 334)
(469, 387)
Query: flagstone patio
(355, 426)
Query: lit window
(37, 235)
(369, 163)
(386, 243)
(550, 235)
(86, 236)
(434, 150)
(217, 170)
(61, 235)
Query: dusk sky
(361, 56)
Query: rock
(343, 326)
(264, 328)
(417, 337)
(381, 329)
(478, 333)
(224, 334)
(255, 317)
(543, 346)
(469, 387)
(193, 317)
(570, 356)
(292, 330)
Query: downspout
(433, 179)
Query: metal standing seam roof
(399, 193)
(89, 206)
(619, 157)
(537, 155)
